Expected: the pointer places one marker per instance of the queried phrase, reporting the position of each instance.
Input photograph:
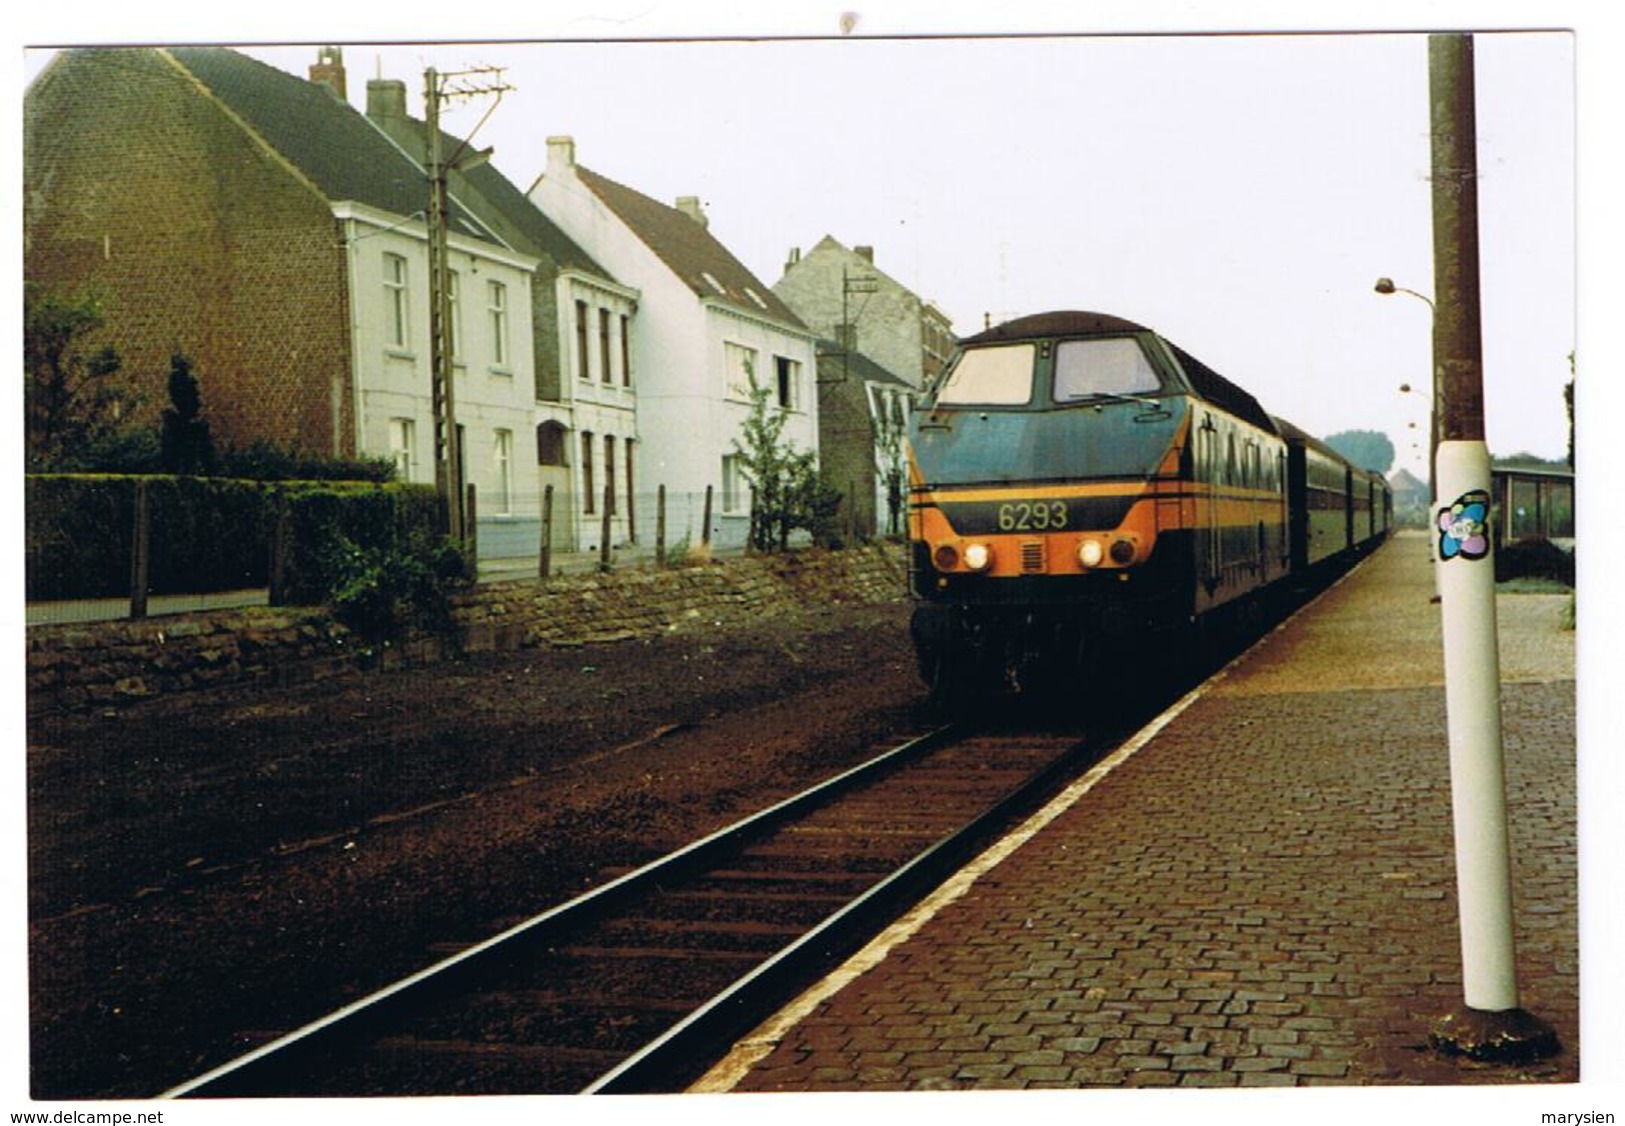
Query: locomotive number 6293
(1033, 516)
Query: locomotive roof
(1303, 437)
(1053, 324)
(1206, 382)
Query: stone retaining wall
(107, 664)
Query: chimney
(793, 259)
(561, 155)
(690, 205)
(386, 99)
(867, 253)
(328, 70)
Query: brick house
(258, 224)
(863, 412)
(883, 346)
(841, 294)
(704, 320)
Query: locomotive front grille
(1032, 557)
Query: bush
(211, 534)
(266, 461)
(205, 535)
(374, 554)
(384, 593)
(1534, 559)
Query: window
(1085, 369)
(497, 308)
(586, 472)
(789, 382)
(581, 340)
(605, 369)
(397, 326)
(1001, 375)
(626, 350)
(732, 484)
(550, 443)
(502, 464)
(741, 368)
(403, 447)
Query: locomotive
(1079, 485)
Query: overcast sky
(1241, 194)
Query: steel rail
(349, 1023)
(667, 1063)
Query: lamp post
(1386, 286)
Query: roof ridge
(688, 248)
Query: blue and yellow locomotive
(1079, 482)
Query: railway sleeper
(821, 884)
(716, 934)
(708, 903)
(607, 1023)
(414, 1066)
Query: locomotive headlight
(1090, 553)
(978, 556)
(946, 557)
(1123, 552)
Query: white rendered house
(703, 321)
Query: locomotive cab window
(1085, 369)
(1001, 376)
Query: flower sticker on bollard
(1464, 527)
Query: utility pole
(864, 284)
(448, 455)
(1491, 1026)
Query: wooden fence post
(471, 531)
(660, 526)
(545, 560)
(278, 578)
(705, 531)
(603, 539)
(140, 553)
(631, 507)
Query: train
(1081, 487)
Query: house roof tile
(688, 249)
(336, 147)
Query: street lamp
(1386, 286)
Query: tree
(787, 492)
(1368, 449)
(73, 400)
(186, 444)
(1568, 405)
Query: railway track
(638, 985)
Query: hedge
(211, 534)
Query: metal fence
(541, 533)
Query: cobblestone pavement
(1260, 895)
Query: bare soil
(211, 869)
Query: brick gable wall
(141, 189)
